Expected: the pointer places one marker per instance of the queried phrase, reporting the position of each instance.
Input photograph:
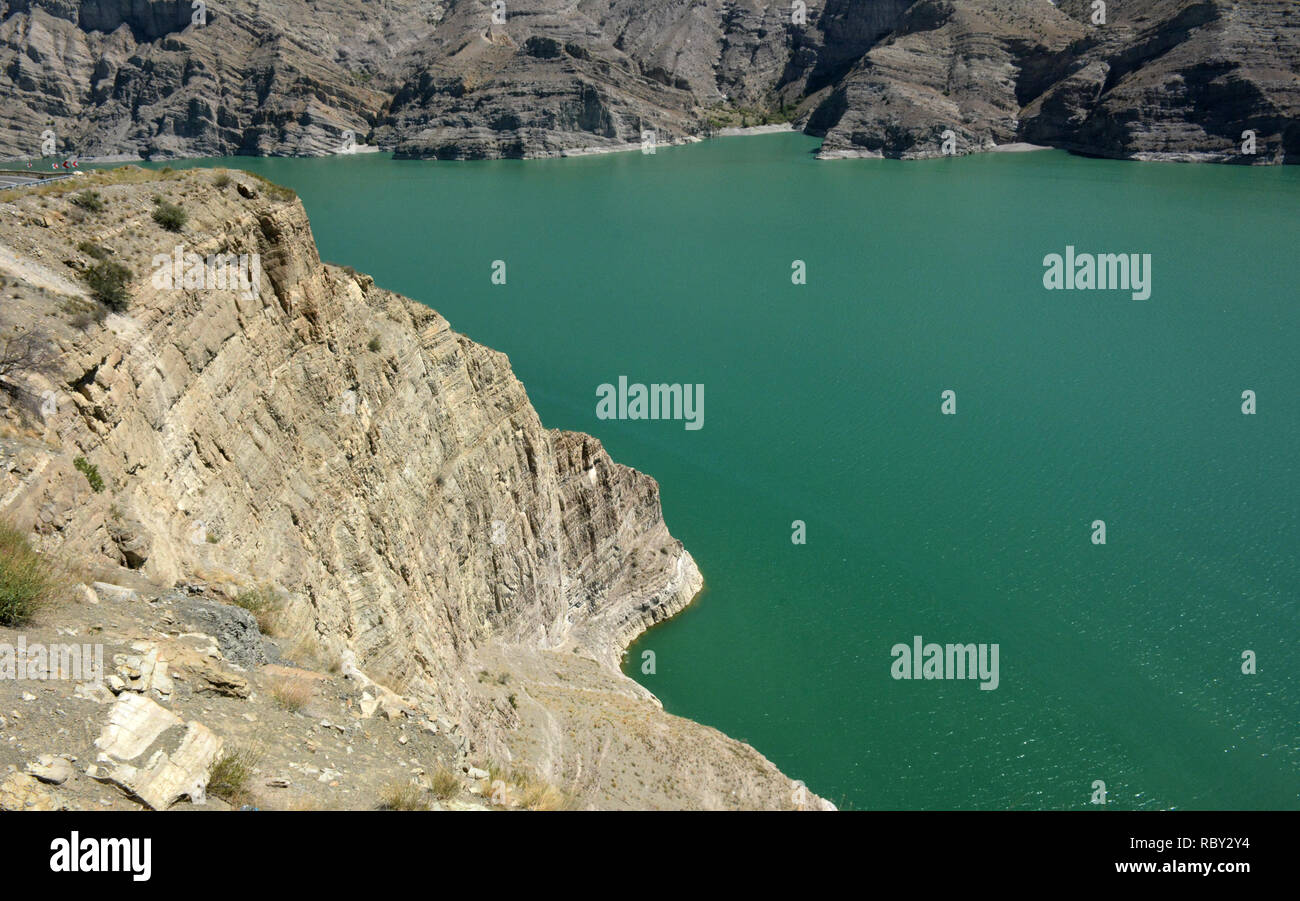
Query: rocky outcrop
(154, 755)
(556, 78)
(1163, 79)
(413, 484)
(311, 436)
(469, 79)
(945, 67)
(159, 79)
(1177, 80)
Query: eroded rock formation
(1147, 79)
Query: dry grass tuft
(293, 693)
(446, 784)
(521, 789)
(403, 796)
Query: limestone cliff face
(341, 443)
(407, 497)
(462, 79)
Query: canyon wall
(1144, 79)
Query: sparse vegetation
(307, 652)
(522, 789)
(279, 192)
(169, 215)
(265, 605)
(232, 773)
(93, 250)
(28, 582)
(90, 201)
(375, 344)
(122, 175)
(221, 180)
(24, 351)
(81, 313)
(536, 795)
(91, 472)
(292, 692)
(446, 784)
(108, 281)
(403, 796)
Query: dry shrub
(292, 692)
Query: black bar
(409, 849)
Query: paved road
(12, 179)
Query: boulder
(151, 754)
(50, 769)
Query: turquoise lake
(1119, 662)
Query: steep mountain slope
(944, 66)
(1178, 80)
(1149, 79)
(564, 77)
(145, 79)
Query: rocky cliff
(306, 433)
(1146, 79)
(165, 78)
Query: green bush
(265, 605)
(107, 281)
(91, 249)
(91, 472)
(232, 774)
(89, 201)
(28, 581)
(170, 216)
(375, 344)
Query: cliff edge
(298, 431)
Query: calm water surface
(1119, 662)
